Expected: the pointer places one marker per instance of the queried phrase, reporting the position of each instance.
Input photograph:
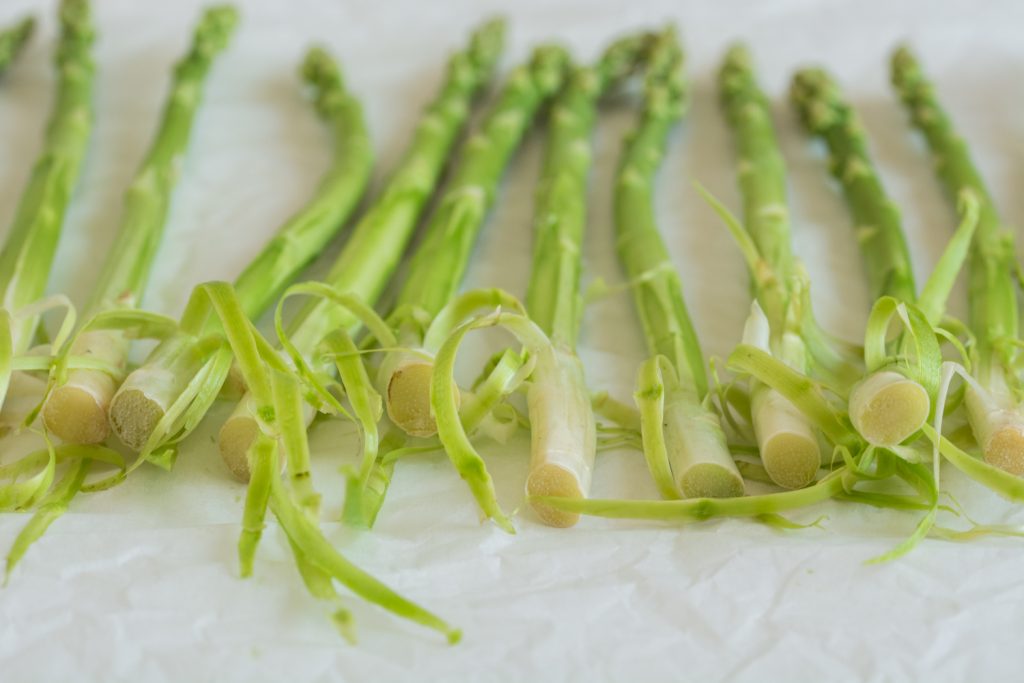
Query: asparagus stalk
(888, 405)
(13, 40)
(787, 443)
(76, 411)
(993, 400)
(680, 432)
(372, 253)
(437, 269)
(27, 256)
(562, 424)
(148, 393)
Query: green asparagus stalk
(437, 269)
(787, 443)
(562, 424)
(27, 256)
(373, 251)
(180, 362)
(993, 399)
(683, 439)
(892, 402)
(76, 410)
(13, 41)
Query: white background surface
(140, 583)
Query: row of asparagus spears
(811, 417)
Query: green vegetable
(785, 438)
(993, 399)
(160, 402)
(436, 270)
(683, 440)
(13, 40)
(76, 409)
(893, 401)
(372, 253)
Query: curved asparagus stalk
(994, 409)
(786, 440)
(683, 439)
(13, 41)
(562, 424)
(148, 393)
(76, 411)
(887, 406)
(437, 269)
(372, 253)
(27, 256)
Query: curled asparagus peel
(683, 439)
(437, 269)
(13, 40)
(163, 400)
(76, 409)
(372, 253)
(993, 402)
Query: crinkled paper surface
(140, 583)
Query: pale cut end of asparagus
(78, 414)
(1005, 449)
(789, 449)
(134, 416)
(77, 410)
(550, 479)
(237, 436)
(887, 407)
(408, 398)
(711, 480)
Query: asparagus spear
(787, 443)
(76, 411)
(993, 403)
(28, 253)
(143, 401)
(372, 253)
(437, 269)
(683, 439)
(893, 401)
(561, 418)
(13, 40)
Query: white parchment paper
(140, 583)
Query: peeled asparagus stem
(994, 409)
(372, 253)
(887, 406)
(683, 439)
(562, 429)
(148, 393)
(27, 256)
(437, 268)
(76, 411)
(13, 41)
(785, 437)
